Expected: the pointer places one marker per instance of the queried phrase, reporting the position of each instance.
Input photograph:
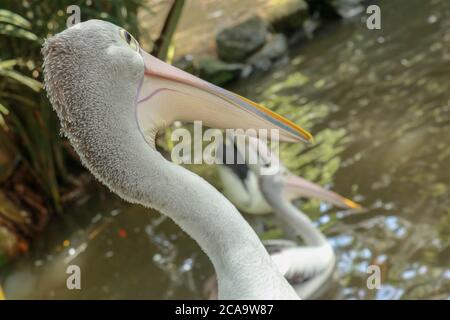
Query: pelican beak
(169, 94)
(297, 187)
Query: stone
(323, 8)
(336, 9)
(288, 15)
(218, 72)
(348, 8)
(275, 49)
(237, 43)
(186, 63)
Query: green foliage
(29, 128)
(14, 25)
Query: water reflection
(378, 103)
(123, 251)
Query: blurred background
(377, 102)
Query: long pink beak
(168, 94)
(297, 187)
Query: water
(378, 103)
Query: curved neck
(138, 173)
(302, 224)
(296, 219)
(104, 131)
(243, 266)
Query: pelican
(308, 268)
(112, 98)
(241, 186)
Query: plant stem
(162, 44)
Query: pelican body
(309, 268)
(112, 98)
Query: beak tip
(304, 136)
(307, 136)
(310, 139)
(351, 204)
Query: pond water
(378, 103)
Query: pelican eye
(129, 39)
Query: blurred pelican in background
(241, 186)
(308, 268)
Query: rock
(288, 15)
(186, 63)
(210, 69)
(218, 72)
(323, 8)
(348, 8)
(335, 9)
(275, 49)
(237, 43)
(306, 32)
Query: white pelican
(112, 98)
(308, 268)
(241, 186)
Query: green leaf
(27, 81)
(13, 31)
(3, 109)
(7, 16)
(3, 122)
(8, 64)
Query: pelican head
(87, 65)
(243, 180)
